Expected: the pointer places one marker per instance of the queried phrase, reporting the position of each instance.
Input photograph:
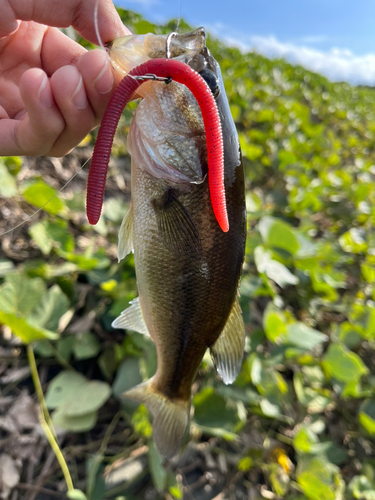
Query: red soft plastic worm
(181, 73)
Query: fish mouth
(129, 51)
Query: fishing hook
(150, 76)
(168, 44)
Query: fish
(187, 268)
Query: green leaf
(44, 196)
(315, 479)
(303, 336)
(368, 272)
(367, 415)
(90, 398)
(8, 186)
(18, 298)
(39, 235)
(86, 345)
(64, 346)
(20, 295)
(212, 410)
(253, 203)
(13, 164)
(79, 423)
(128, 376)
(362, 488)
(115, 209)
(353, 241)
(343, 365)
(141, 422)
(269, 408)
(95, 483)
(274, 323)
(277, 233)
(6, 266)
(218, 432)
(176, 490)
(58, 233)
(251, 151)
(304, 440)
(66, 385)
(76, 495)
(25, 331)
(52, 234)
(272, 268)
(158, 472)
(52, 306)
(75, 396)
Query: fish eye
(211, 80)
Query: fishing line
(96, 26)
(29, 217)
(179, 17)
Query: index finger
(76, 13)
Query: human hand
(52, 91)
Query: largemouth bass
(187, 268)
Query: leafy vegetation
(299, 422)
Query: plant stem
(38, 389)
(55, 447)
(45, 419)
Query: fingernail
(45, 93)
(103, 83)
(79, 97)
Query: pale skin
(52, 91)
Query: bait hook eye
(168, 44)
(150, 76)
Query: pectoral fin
(227, 351)
(131, 319)
(125, 235)
(176, 227)
(170, 416)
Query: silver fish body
(187, 268)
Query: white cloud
(337, 64)
(313, 39)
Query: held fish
(188, 269)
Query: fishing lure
(160, 69)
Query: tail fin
(170, 417)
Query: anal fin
(125, 235)
(170, 417)
(227, 351)
(131, 319)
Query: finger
(78, 13)
(58, 50)
(8, 22)
(99, 79)
(70, 95)
(3, 113)
(42, 124)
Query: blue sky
(333, 37)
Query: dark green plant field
(299, 422)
